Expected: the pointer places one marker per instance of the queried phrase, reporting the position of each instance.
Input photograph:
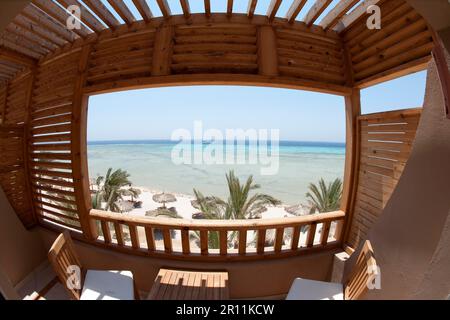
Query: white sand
(184, 207)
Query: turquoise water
(150, 165)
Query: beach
(150, 166)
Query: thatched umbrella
(297, 210)
(196, 205)
(198, 215)
(164, 198)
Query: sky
(239, 6)
(299, 115)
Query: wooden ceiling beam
(333, 17)
(86, 16)
(251, 8)
(31, 37)
(164, 7)
(186, 8)
(294, 10)
(230, 7)
(348, 20)
(59, 14)
(102, 12)
(207, 8)
(21, 41)
(39, 31)
(16, 57)
(38, 18)
(144, 9)
(273, 9)
(316, 10)
(123, 11)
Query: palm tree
(113, 189)
(325, 198)
(240, 205)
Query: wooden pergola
(48, 72)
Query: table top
(190, 285)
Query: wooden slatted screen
(16, 101)
(215, 49)
(404, 42)
(50, 142)
(310, 56)
(12, 173)
(121, 58)
(386, 141)
(3, 96)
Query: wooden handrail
(121, 232)
(216, 225)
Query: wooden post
(79, 149)
(352, 154)
(162, 51)
(26, 141)
(267, 51)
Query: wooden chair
(364, 271)
(93, 284)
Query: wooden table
(189, 285)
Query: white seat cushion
(108, 285)
(303, 289)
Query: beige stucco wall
(20, 250)
(250, 279)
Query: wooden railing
(217, 239)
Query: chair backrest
(362, 274)
(62, 256)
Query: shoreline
(184, 208)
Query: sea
(150, 163)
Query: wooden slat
(294, 10)
(186, 8)
(134, 237)
(16, 57)
(251, 8)
(40, 20)
(185, 243)
(279, 238)
(167, 240)
(102, 12)
(119, 233)
(348, 20)
(325, 233)
(311, 235)
(316, 10)
(229, 7)
(164, 7)
(207, 7)
(143, 9)
(242, 241)
(105, 230)
(150, 238)
(223, 238)
(123, 11)
(59, 14)
(333, 17)
(273, 9)
(204, 242)
(86, 16)
(261, 242)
